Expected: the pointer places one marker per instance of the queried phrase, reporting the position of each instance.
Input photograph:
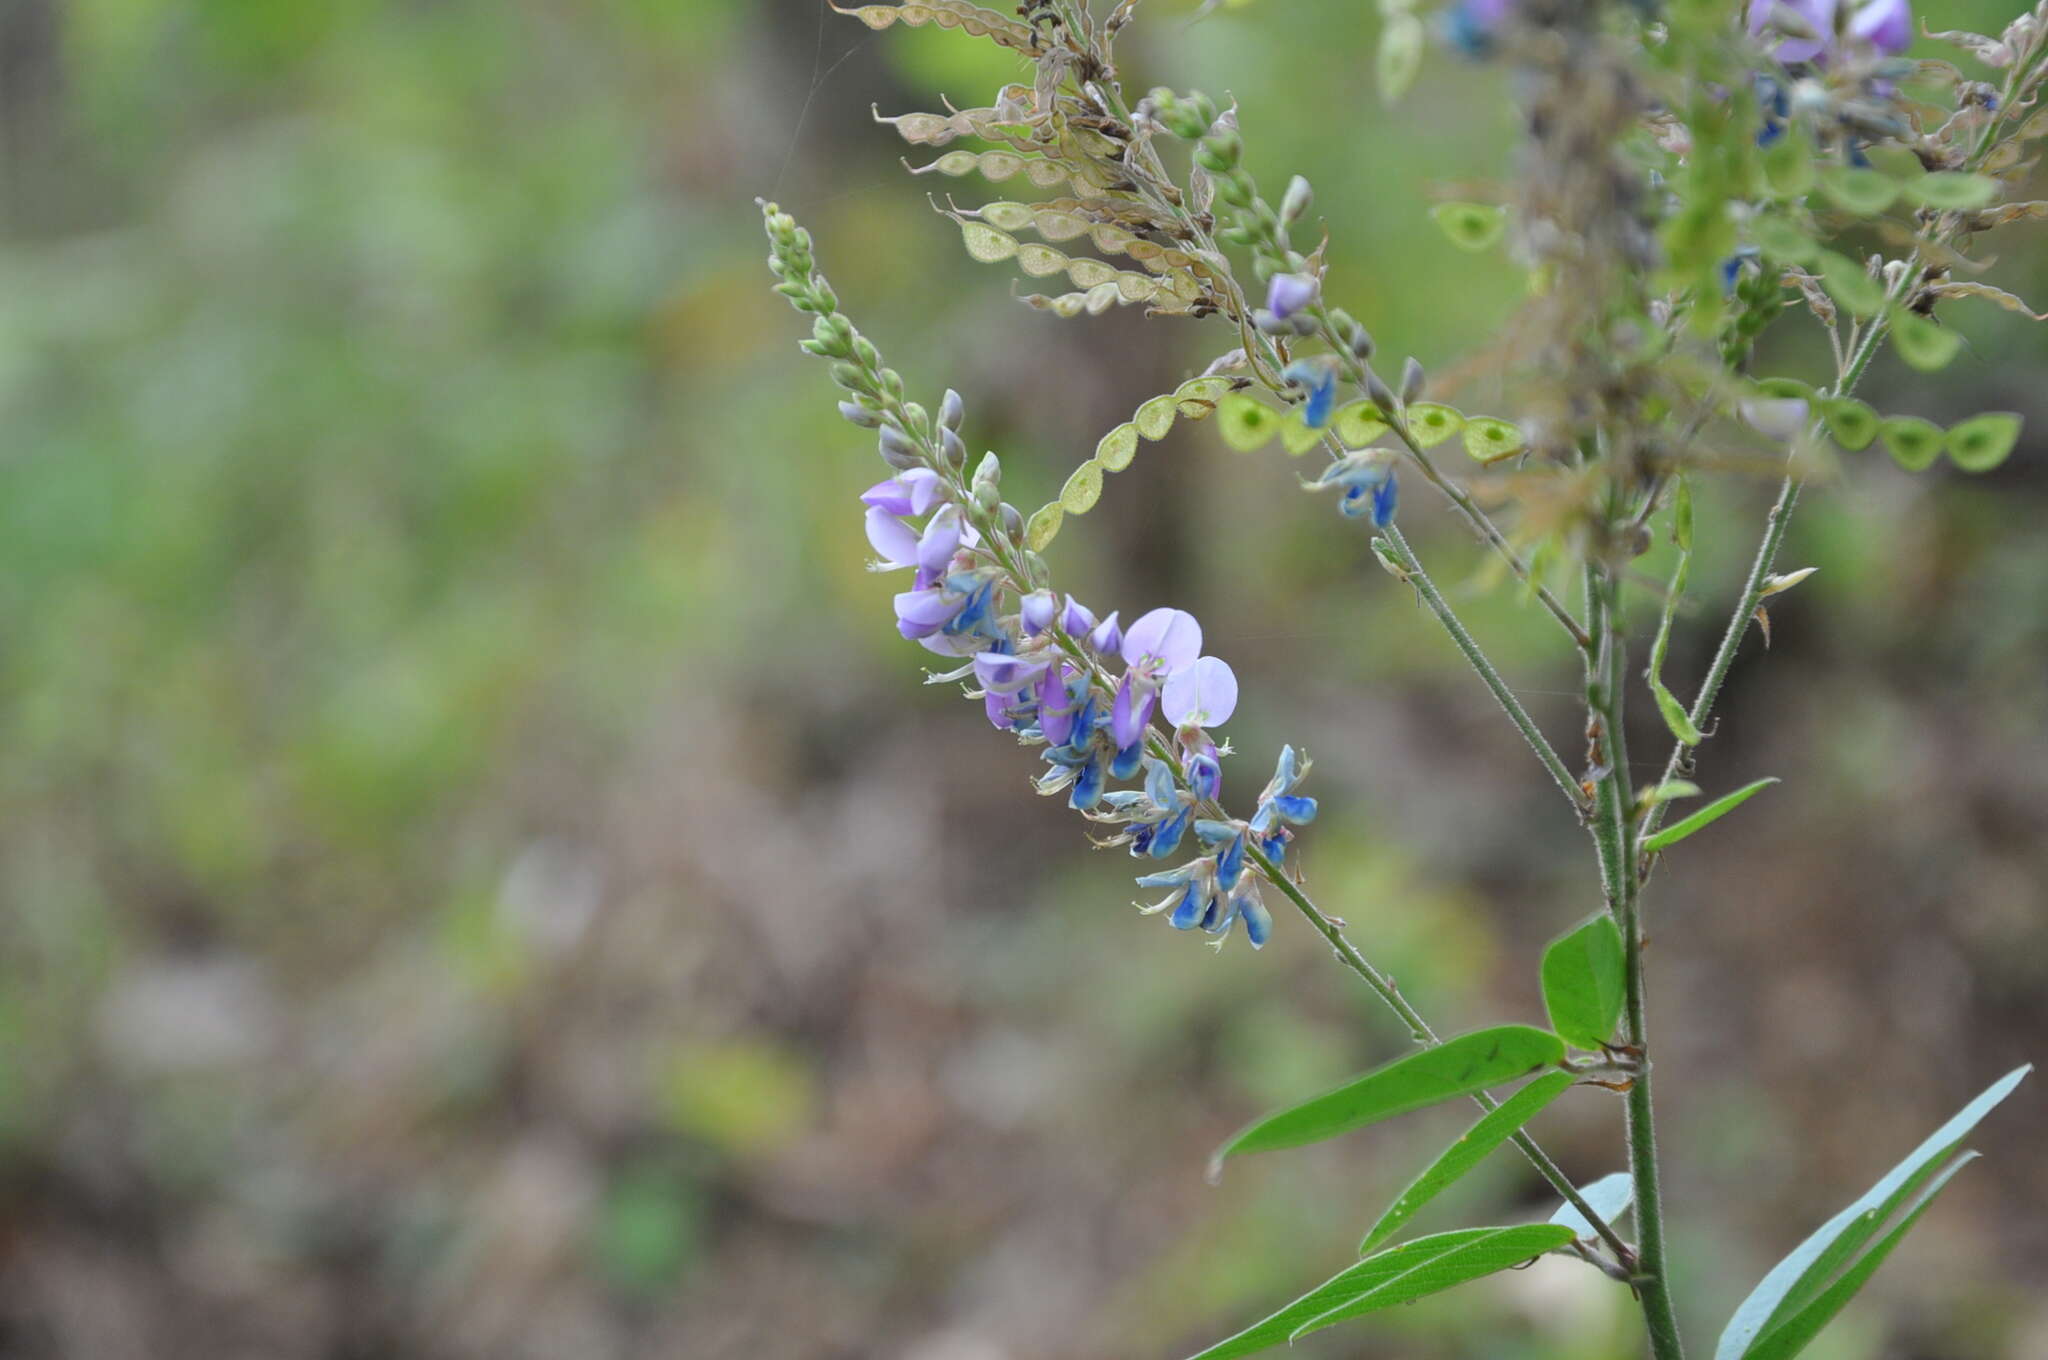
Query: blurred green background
(480, 875)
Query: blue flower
(1317, 377)
(1367, 481)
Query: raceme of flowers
(1043, 668)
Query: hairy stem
(1412, 572)
(1613, 838)
(1418, 1029)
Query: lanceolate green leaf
(1712, 812)
(1584, 974)
(1790, 1337)
(1610, 1197)
(1803, 1276)
(1496, 1251)
(1498, 1125)
(1341, 1288)
(1468, 1063)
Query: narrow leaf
(1468, 1063)
(1610, 1197)
(1584, 974)
(1493, 1129)
(1340, 1288)
(1712, 812)
(1790, 1337)
(1488, 1255)
(1675, 717)
(1803, 1275)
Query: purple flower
(1886, 25)
(1289, 293)
(941, 539)
(1162, 641)
(1079, 619)
(907, 493)
(1130, 713)
(1317, 377)
(1815, 17)
(1034, 613)
(920, 613)
(1057, 704)
(1002, 673)
(892, 538)
(1106, 638)
(1202, 694)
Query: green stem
(1412, 572)
(1418, 1029)
(1481, 524)
(1613, 838)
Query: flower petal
(892, 538)
(1200, 695)
(1163, 640)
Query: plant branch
(1613, 838)
(1418, 1029)
(1410, 568)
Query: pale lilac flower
(921, 613)
(1203, 694)
(1078, 620)
(1818, 16)
(1035, 612)
(1130, 713)
(1162, 641)
(894, 540)
(1289, 293)
(941, 539)
(1886, 25)
(912, 492)
(1106, 638)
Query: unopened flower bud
(1297, 199)
(859, 415)
(952, 410)
(1289, 293)
(1013, 520)
(1376, 388)
(833, 335)
(898, 451)
(1036, 611)
(950, 447)
(1411, 380)
(988, 472)
(864, 351)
